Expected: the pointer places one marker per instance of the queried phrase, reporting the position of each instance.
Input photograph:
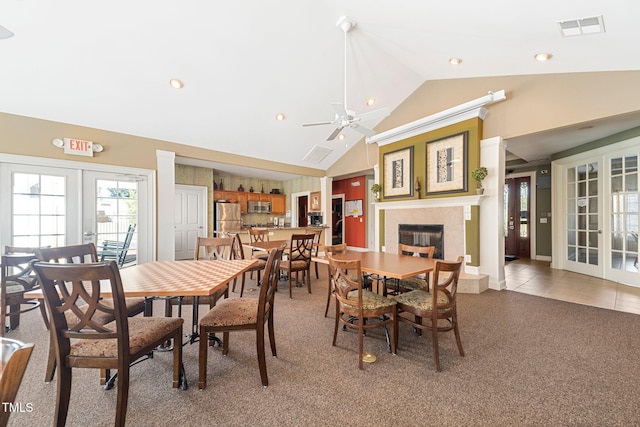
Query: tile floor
(536, 278)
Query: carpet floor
(529, 361)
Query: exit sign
(78, 147)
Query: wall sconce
(78, 146)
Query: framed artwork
(447, 164)
(398, 173)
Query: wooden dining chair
(234, 314)
(412, 283)
(86, 342)
(81, 254)
(14, 357)
(438, 307)
(358, 308)
(299, 259)
(328, 250)
(259, 235)
(238, 253)
(16, 278)
(317, 241)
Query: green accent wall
(472, 231)
(419, 144)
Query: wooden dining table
(384, 264)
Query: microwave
(259, 207)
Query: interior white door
(40, 205)
(190, 218)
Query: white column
(326, 188)
(492, 156)
(166, 205)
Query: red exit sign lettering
(78, 147)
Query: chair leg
(241, 284)
(63, 395)
(262, 363)
(51, 361)
(123, 395)
(456, 331)
(326, 310)
(233, 288)
(177, 359)
(360, 343)
(290, 291)
(436, 352)
(14, 316)
(335, 329)
(43, 312)
(317, 275)
(225, 343)
(272, 337)
(394, 330)
(202, 359)
(307, 273)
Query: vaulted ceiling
(107, 64)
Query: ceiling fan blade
(317, 124)
(339, 109)
(363, 130)
(4, 33)
(335, 133)
(375, 114)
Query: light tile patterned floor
(536, 278)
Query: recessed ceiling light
(542, 57)
(341, 137)
(455, 61)
(280, 117)
(371, 101)
(176, 83)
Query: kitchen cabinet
(242, 199)
(278, 204)
(259, 197)
(314, 201)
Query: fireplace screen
(423, 235)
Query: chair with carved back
(438, 307)
(259, 235)
(238, 253)
(88, 343)
(317, 242)
(14, 356)
(235, 314)
(412, 283)
(328, 250)
(298, 260)
(81, 254)
(16, 278)
(358, 308)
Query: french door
(55, 206)
(599, 220)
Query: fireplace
(423, 235)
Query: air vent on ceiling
(578, 27)
(317, 154)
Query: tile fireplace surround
(448, 211)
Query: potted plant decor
(376, 189)
(479, 174)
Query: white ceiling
(107, 64)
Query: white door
(112, 203)
(190, 219)
(596, 230)
(40, 206)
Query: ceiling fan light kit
(344, 116)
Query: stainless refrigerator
(227, 217)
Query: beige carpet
(529, 361)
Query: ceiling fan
(4, 33)
(345, 117)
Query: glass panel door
(623, 235)
(40, 206)
(583, 252)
